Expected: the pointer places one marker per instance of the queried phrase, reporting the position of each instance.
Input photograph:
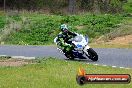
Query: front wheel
(92, 54)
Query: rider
(63, 39)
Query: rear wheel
(92, 54)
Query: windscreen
(78, 39)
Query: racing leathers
(64, 43)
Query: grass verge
(124, 29)
(94, 45)
(40, 29)
(55, 73)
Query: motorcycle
(81, 48)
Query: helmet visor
(65, 30)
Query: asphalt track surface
(107, 56)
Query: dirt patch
(121, 40)
(80, 27)
(14, 62)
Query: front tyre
(92, 54)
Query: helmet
(64, 28)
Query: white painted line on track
(23, 57)
(114, 66)
(95, 64)
(18, 57)
(3, 55)
(121, 67)
(104, 65)
(110, 66)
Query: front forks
(86, 49)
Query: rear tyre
(92, 54)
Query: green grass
(105, 45)
(42, 29)
(128, 6)
(2, 21)
(55, 73)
